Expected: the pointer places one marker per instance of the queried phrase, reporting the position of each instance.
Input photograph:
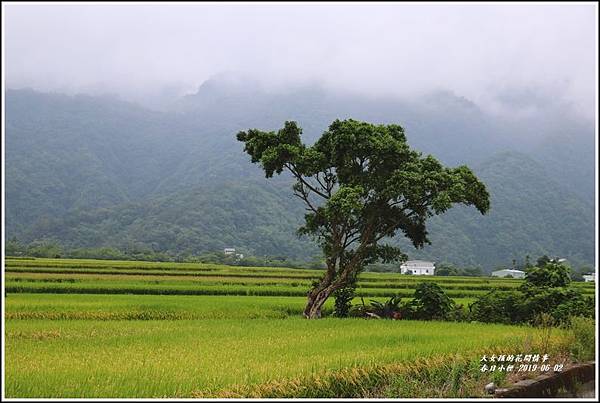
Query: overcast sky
(487, 53)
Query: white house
(229, 251)
(590, 277)
(509, 272)
(418, 267)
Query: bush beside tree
(545, 290)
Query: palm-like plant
(389, 309)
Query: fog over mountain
(121, 119)
(542, 54)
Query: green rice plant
(92, 328)
(25, 306)
(114, 284)
(584, 343)
(182, 358)
(137, 307)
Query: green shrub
(539, 294)
(458, 313)
(407, 310)
(343, 301)
(580, 306)
(495, 307)
(560, 302)
(431, 302)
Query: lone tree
(361, 183)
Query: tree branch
(304, 196)
(292, 169)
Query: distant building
(590, 277)
(418, 267)
(509, 272)
(229, 251)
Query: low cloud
(477, 51)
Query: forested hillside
(95, 171)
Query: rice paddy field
(92, 328)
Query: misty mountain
(96, 171)
(450, 127)
(531, 214)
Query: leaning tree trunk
(318, 295)
(320, 292)
(316, 300)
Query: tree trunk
(315, 303)
(318, 295)
(320, 292)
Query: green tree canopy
(551, 275)
(361, 183)
(542, 260)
